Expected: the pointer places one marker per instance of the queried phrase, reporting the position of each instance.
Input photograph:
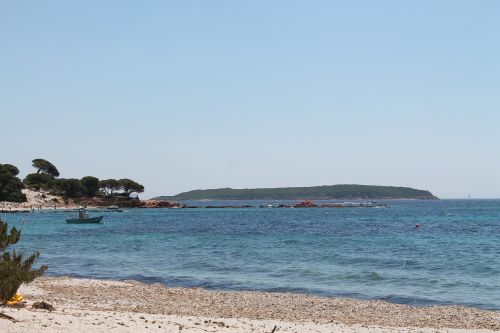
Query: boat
(83, 217)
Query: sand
(36, 200)
(85, 305)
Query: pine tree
(14, 271)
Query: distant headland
(343, 192)
(44, 189)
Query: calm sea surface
(453, 258)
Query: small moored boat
(83, 217)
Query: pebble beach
(89, 305)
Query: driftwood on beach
(4, 316)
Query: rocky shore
(301, 204)
(42, 200)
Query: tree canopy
(91, 186)
(109, 186)
(129, 186)
(10, 185)
(12, 169)
(44, 166)
(39, 181)
(46, 179)
(70, 188)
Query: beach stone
(43, 305)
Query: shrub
(14, 271)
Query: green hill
(303, 193)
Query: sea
(417, 252)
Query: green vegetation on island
(343, 192)
(10, 184)
(47, 179)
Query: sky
(183, 95)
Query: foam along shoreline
(87, 305)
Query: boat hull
(96, 219)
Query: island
(325, 192)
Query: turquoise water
(453, 258)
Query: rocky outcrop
(311, 204)
(304, 204)
(159, 204)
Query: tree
(12, 169)
(70, 188)
(14, 271)
(91, 186)
(109, 186)
(129, 186)
(39, 181)
(44, 166)
(10, 185)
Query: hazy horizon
(200, 95)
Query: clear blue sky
(203, 94)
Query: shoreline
(27, 207)
(82, 303)
(44, 201)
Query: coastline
(44, 201)
(88, 305)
